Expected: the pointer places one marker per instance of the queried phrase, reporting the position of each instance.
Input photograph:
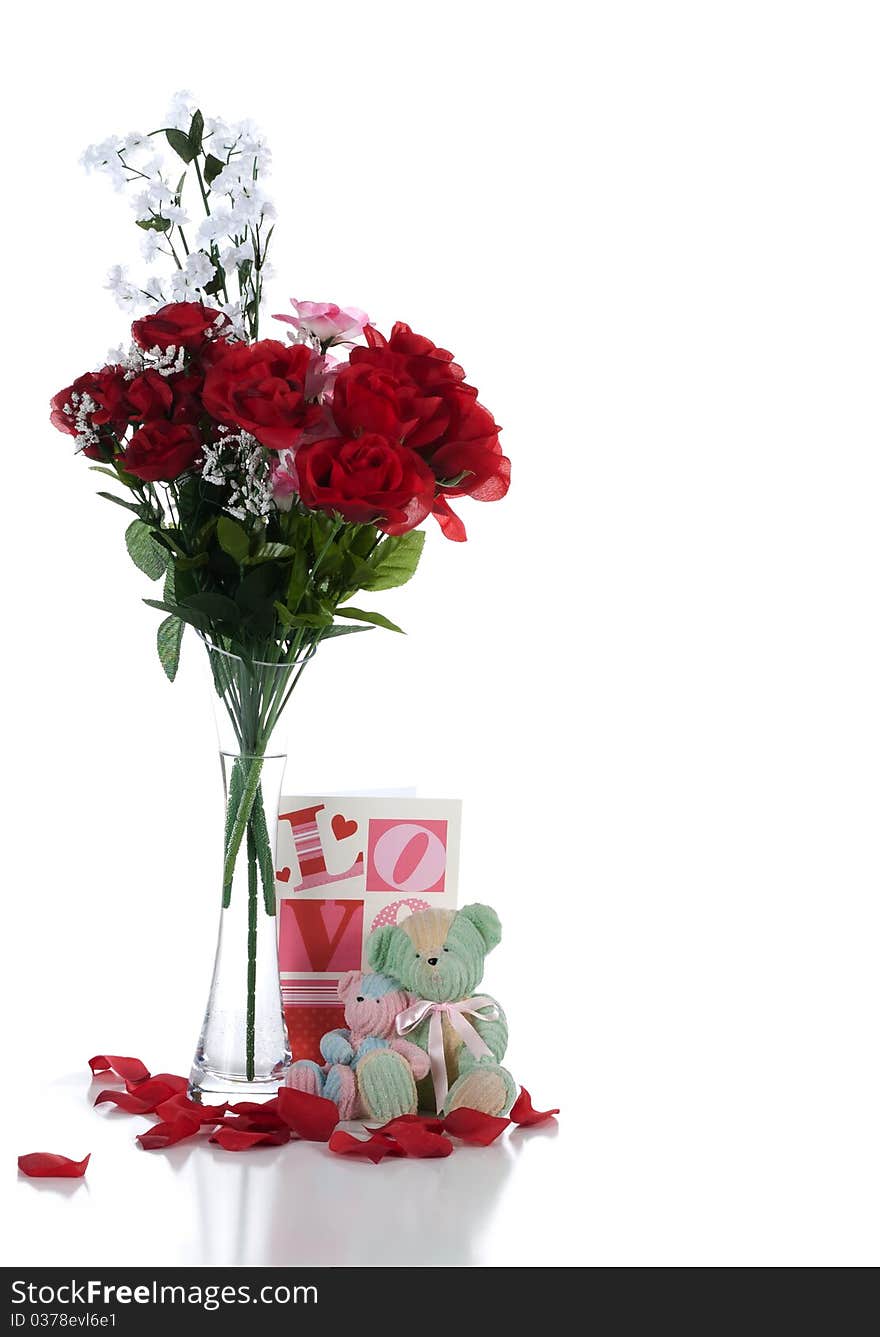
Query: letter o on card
(406, 856)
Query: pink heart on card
(342, 827)
(283, 874)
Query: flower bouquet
(269, 482)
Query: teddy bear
(372, 1004)
(437, 956)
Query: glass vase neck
(250, 696)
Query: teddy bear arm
(367, 1045)
(336, 1047)
(492, 1033)
(416, 1058)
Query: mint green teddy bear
(438, 956)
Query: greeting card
(344, 866)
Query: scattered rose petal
(311, 1117)
(47, 1165)
(415, 1140)
(178, 1105)
(169, 1079)
(474, 1127)
(131, 1104)
(373, 1148)
(141, 1098)
(129, 1069)
(167, 1133)
(523, 1113)
(240, 1139)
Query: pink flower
(284, 480)
(329, 323)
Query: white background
(650, 233)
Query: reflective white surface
(292, 1205)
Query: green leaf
(217, 607)
(343, 631)
(302, 619)
(129, 505)
(181, 145)
(377, 619)
(395, 560)
(192, 563)
(232, 538)
(168, 639)
(154, 224)
(102, 469)
(197, 125)
(271, 552)
(197, 620)
(144, 551)
(212, 169)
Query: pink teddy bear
(358, 1087)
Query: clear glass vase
(243, 1050)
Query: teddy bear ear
(379, 945)
(485, 921)
(347, 981)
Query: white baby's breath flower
(217, 225)
(175, 214)
(181, 111)
(234, 256)
(151, 245)
(134, 142)
(198, 269)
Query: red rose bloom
(261, 388)
(407, 388)
(161, 451)
(370, 479)
(184, 324)
(186, 396)
(107, 389)
(149, 396)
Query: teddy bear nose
(432, 960)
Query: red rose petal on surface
(47, 1165)
(240, 1139)
(129, 1103)
(168, 1079)
(312, 1118)
(474, 1127)
(179, 1104)
(523, 1113)
(408, 1121)
(374, 1148)
(418, 1142)
(129, 1069)
(167, 1133)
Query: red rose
(107, 389)
(161, 451)
(261, 388)
(183, 324)
(367, 479)
(411, 390)
(149, 396)
(186, 392)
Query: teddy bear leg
(306, 1076)
(340, 1086)
(386, 1085)
(485, 1087)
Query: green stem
(242, 819)
(258, 831)
(251, 957)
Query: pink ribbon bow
(412, 1016)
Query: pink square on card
(408, 857)
(320, 936)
